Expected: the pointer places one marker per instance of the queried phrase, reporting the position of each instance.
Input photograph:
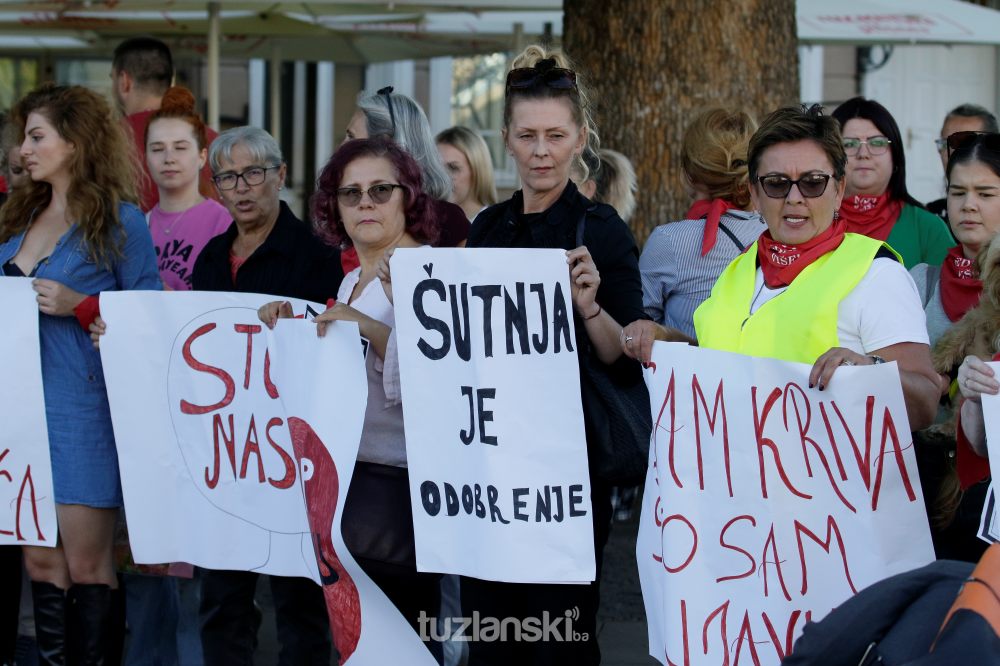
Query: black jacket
(608, 238)
(292, 262)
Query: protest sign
(495, 440)
(27, 502)
(767, 503)
(237, 445)
(989, 527)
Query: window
(477, 103)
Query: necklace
(180, 217)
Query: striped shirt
(676, 278)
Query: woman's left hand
(584, 279)
(97, 328)
(827, 364)
(383, 274)
(55, 298)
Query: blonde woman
(467, 159)
(682, 260)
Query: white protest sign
(27, 502)
(495, 440)
(768, 503)
(989, 529)
(208, 469)
(312, 373)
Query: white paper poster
(27, 497)
(989, 527)
(495, 439)
(768, 503)
(237, 446)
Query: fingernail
(820, 387)
(810, 386)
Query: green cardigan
(920, 237)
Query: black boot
(89, 624)
(50, 623)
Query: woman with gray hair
(400, 119)
(266, 250)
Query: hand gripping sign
(768, 503)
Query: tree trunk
(652, 65)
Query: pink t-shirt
(180, 237)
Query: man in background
(963, 118)
(141, 72)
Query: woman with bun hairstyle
(546, 126)
(682, 260)
(184, 219)
(75, 229)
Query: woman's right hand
(976, 378)
(273, 311)
(97, 329)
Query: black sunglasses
(387, 91)
(990, 140)
(544, 73)
(380, 194)
(811, 185)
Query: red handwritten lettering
(719, 405)
(230, 442)
(195, 364)
(289, 479)
(250, 446)
(722, 542)
(251, 330)
(759, 420)
(831, 530)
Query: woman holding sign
(370, 197)
(833, 298)
(75, 230)
(547, 124)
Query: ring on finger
(846, 362)
(628, 339)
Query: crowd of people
(801, 243)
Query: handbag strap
(583, 223)
(736, 241)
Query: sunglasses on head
(811, 185)
(544, 73)
(387, 91)
(958, 140)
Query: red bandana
(782, 263)
(870, 216)
(960, 287)
(711, 210)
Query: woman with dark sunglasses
(546, 127)
(370, 197)
(834, 297)
(876, 202)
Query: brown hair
(579, 101)
(102, 168)
(178, 102)
(790, 124)
(714, 154)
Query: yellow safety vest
(800, 324)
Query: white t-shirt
(883, 309)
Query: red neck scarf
(870, 216)
(711, 210)
(960, 287)
(782, 263)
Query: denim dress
(81, 440)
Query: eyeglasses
(381, 193)
(387, 91)
(811, 185)
(958, 140)
(544, 73)
(876, 145)
(252, 176)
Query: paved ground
(621, 621)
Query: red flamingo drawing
(343, 603)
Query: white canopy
(896, 22)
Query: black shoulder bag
(616, 414)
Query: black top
(608, 238)
(292, 262)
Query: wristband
(599, 311)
